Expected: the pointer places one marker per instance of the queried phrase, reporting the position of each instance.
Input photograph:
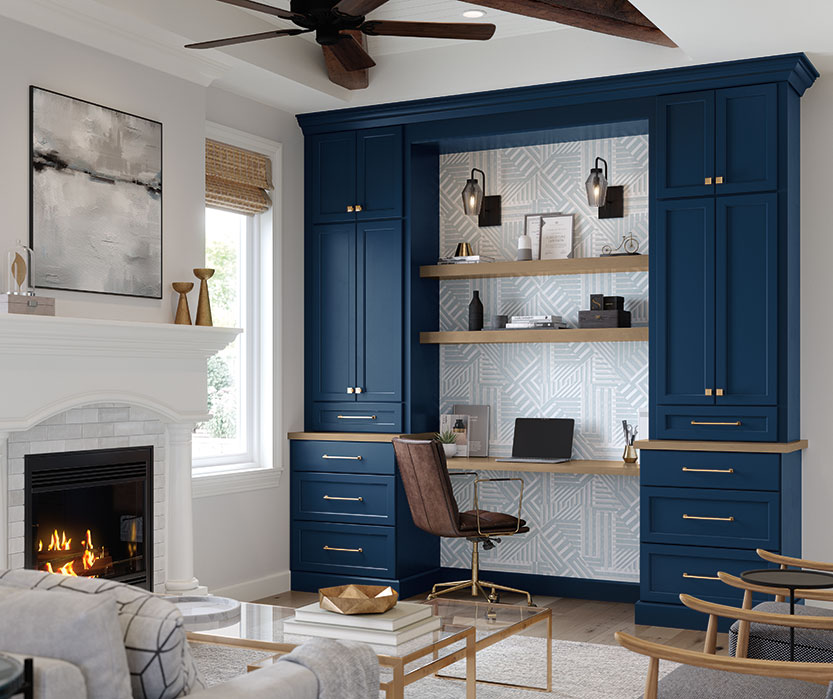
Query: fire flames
(86, 561)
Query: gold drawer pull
(708, 470)
(333, 497)
(737, 423)
(700, 577)
(708, 180)
(356, 417)
(330, 548)
(350, 209)
(718, 180)
(358, 207)
(710, 519)
(342, 458)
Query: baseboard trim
(553, 585)
(252, 590)
(406, 587)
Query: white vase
(450, 450)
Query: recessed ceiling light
(474, 14)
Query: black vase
(476, 312)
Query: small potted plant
(449, 441)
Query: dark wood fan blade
(261, 7)
(358, 8)
(351, 55)
(614, 17)
(430, 30)
(246, 38)
(351, 79)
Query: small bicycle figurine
(629, 244)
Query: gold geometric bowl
(357, 599)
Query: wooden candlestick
(183, 313)
(204, 305)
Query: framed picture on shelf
(556, 236)
(532, 228)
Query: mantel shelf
(483, 337)
(608, 468)
(537, 268)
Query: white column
(4, 499)
(180, 516)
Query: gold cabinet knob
(719, 391)
(708, 180)
(358, 389)
(718, 180)
(358, 207)
(708, 391)
(350, 389)
(350, 209)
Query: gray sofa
(97, 639)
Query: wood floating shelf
(485, 337)
(607, 468)
(537, 268)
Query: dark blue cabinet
(718, 142)
(356, 175)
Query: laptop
(542, 440)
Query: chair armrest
(818, 595)
(477, 502)
(282, 679)
(786, 561)
(821, 623)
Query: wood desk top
(608, 468)
(748, 447)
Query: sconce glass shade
(596, 188)
(472, 197)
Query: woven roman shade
(237, 179)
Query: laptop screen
(543, 438)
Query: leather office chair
(425, 476)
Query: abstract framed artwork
(95, 197)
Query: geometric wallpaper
(583, 526)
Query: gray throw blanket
(344, 670)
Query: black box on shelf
(597, 302)
(604, 319)
(614, 303)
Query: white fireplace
(70, 384)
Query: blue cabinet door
(332, 159)
(333, 319)
(379, 173)
(683, 261)
(746, 148)
(747, 300)
(379, 311)
(685, 149)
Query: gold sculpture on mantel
(183, 313)
(204, 304)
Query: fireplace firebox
(90, 513)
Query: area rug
(579, 670)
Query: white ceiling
(289, 73)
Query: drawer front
(356, 417)
(725, 470)
(730, 518)
(716, 423)
(333, 497)
(668, 571)
(342, 457)
(347, 549)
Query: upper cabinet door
(332, 373)
(683, 260)
(379, 174)
(747, 139)
(333, 176)
(747, 300)
(379, 311)
(685, 148)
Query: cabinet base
(406, 587)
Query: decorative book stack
(464, 259)
(533, 322)
(405, 622)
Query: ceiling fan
(340, 27)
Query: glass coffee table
(467, 627)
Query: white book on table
(403, 614)
(363, 635)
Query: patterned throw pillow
(160, 662)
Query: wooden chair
(769, 642)
(709, 676)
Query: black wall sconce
(609, 200)
(475, 203)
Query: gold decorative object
(629, 457)
(204, 305)
(463, 250)
(357, 599)
(183, 313)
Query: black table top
(790, 578)
(11, 676)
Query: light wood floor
(586, 621)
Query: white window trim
(263, 467)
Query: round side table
(792, 580)
(11, 676)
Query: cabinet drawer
(715, 423)
(694, 469)
(342, 457)
(334, 497)
(668, 571)
(731, 518)
(348, 549)
(356, 417)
